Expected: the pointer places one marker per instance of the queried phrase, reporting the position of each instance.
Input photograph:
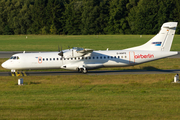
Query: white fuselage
(96, 59)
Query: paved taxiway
(9, 54)
(102, 72)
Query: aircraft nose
(4, 65)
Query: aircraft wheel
(85, 71)
(81, 70)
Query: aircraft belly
(72, 65)
(115, 64)
(93, 65)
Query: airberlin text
(143, 56)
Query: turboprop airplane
(82, 60)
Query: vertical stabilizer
(162, 41)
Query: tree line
(86, 17)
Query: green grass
(96, 42)
(80, 97)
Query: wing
(77, 52)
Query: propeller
(60, 52)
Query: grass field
(96, 42)
(79, 97)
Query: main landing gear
(82, 70)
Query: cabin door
(131, 57)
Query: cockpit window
(15, 57)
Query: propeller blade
(58, 49)
(61, 52)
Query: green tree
(73, 15)
(5, 8)
(143, 17)
(38, 16)
(54, 14)
(148, 16)
(176, 14)
(3, 16)
(53, 29)
(92, 16)
(118, 23)
(45, 30)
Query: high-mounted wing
(76, 52)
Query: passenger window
(46, 59)
(50, 59)
(89, 57)
(111, 56)
(67, 58)
(85, 57)
(121, 56)
(39, 59)
(96, 57)
(71, 58)
(57, 58)
(93, 57)
(43, 59)
(104, 57)
(100, 57)
(60, 58)
(114, 56)
(125, 56)
(108, 57)
(53, 58)
(82, 57)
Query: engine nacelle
(72, 53)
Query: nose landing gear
(18, 73)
